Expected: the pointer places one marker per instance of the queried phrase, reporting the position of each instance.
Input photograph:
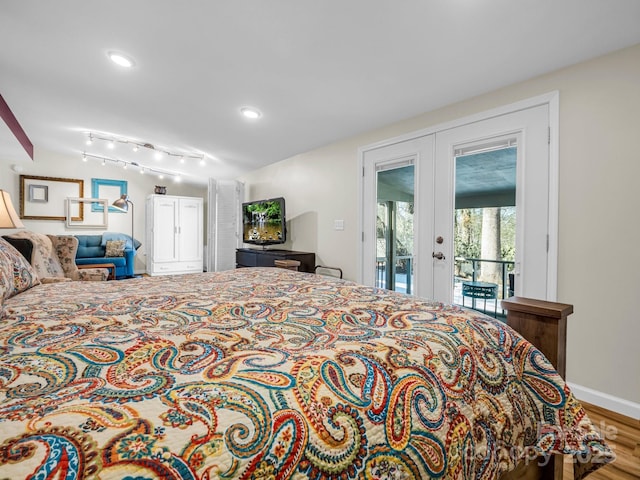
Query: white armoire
(174, 234)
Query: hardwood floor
(623, 436)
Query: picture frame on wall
(107, 189)
(43, 198)
(38, 193)
(91, 219)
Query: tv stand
(253, 257)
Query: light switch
(338, 224)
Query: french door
(433, 159)
(386, 184)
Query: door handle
(438, 255)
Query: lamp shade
(122, 203)
(8, 216)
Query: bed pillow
(115, 248)
(16, 275)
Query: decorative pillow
(115, 248)
(16, 275)
(23, 245)
(108, 236)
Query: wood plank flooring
(623, 436)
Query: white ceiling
(320, 71)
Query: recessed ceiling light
(250, 112)
(121, 59)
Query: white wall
(599, 232)
(49, 164)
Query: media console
(253, 257)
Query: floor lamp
(8, 216)
(122, 204)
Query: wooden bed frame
(544, 324)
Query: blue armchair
(92, 250)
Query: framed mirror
(91, 218)
(43, 198)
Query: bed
(272, 374)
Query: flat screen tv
(263, 222)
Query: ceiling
(319, 71)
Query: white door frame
(552, 99)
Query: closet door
(189, 231)
(165, 227)
(224, 228)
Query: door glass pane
(485, 226)
(394, 228)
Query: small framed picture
(38, 193)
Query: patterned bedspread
(268, 373)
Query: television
(263, 222)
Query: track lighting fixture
(162, 173)
(159, 151)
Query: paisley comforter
(268, 373)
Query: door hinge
(363, 236)
(363, 170)
(547, 243)
(548, 135)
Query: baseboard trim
(606, 401)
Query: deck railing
(476, 267)
(473, 273)
(465, 269)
